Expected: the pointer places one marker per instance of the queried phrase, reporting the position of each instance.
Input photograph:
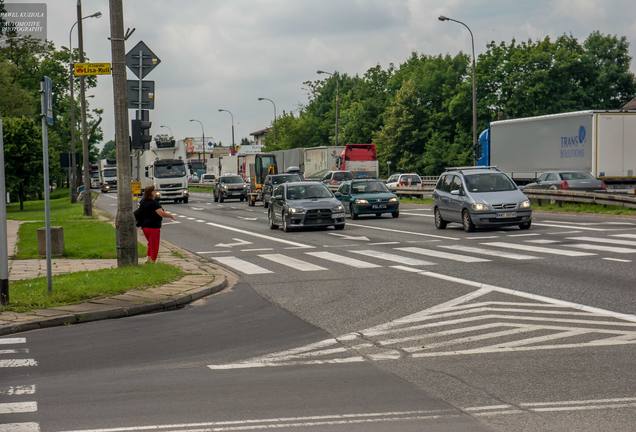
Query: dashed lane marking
(241, 265)
(603, 248)
(624, 235)
(11, 363)
(618, 260)
(443, 255)
(489, 252)
(351, 262)
(539, 249)
(18, 407)
(263, 236)
(577, 227)
(393, 257)
(12, 341)
(542, 241)
(403, 232)
(292, 262)
(613, 241)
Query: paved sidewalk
(32, 268)
(12, 235)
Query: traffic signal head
(141, 134)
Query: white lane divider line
(403, 232)
(444, 255)
(618, 260)
(200, 220)
(263, 236)
(384, 243)
(562, 232)
(241, 265)
(624, 235)
(17, 390)
(603, 248)
(340, 259)
(18, 407)
(292, 262)
(257, 250)
(12, 341)
(14, 351)
(416, 214)
(489, 252)
(8, 363)
(393, 257)
(20, 427)
(538, 249)
(577, 227)
(542, 241)
(605, 240)
(181, 216)
(482, 237)
(523, 235)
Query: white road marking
(444, 255)
(20, 427)
(196, 208)
(212, 252)
(181, 216)
(17, 363)
(350, 237)
(578, 402)
(241, 265)
(384, 243)
(605, 240)
(603, 248)
(523, 235)
(618, 260)
(17, 390)
(263, 236)
(340, 259)
(248, 218)
(257, 250)
(419, 209)
(624, 235)
(489, 252)
(542, 241)
(14, 351)
(562, 232)
(416, 214)
(403, 232)
(200, 220)
(190, 218)
(577, 227)
(482, 237)
(539, 249)
(393, 257)
(591, 223)
(238, 242)
(292, 262)
(18, 407)
(11, 341)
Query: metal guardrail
(602, 198)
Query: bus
(360, 158)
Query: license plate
(338, 215)
(378, 206)
(507, 215)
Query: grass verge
(200, 188)
(72, 288)
(410, 200)
(84, 237)
(566, 207)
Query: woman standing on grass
(152, 214)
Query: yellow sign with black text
(84, 69)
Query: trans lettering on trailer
(573, 146)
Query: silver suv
(478, 197)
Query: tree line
(23, 63)
(419, 113)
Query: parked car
(229, 187)
(207, 179)
(368, 197)
(334, 178)
(404, 181)
(275, 179)
(567, 180)
(479, 196)
(305, 204)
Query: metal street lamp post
(275, 116)
(72, 162)
(335, 75)
(202, 138)
(232, 116)
(472, 41)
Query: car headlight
(525, 204)
(296, 210)
(224, 187)
(361, 201)
(480, 206)
(158, 193)
(185, 192)
(393, 200)
(340, 208)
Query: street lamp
(472, 41)
(202, 138)
(273, 124)
(72, 161)
(169, 130)
(232, 116)
(335, 75)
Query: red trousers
(153, 235)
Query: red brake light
(565, 184)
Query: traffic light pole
(139, 113)
(88, 203)
(125, 222)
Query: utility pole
(71, 88)
(88, 203)
(125, 222)
(4, 253)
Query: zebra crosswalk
(392, 254)
(16, 399)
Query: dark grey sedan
(304, 204)
(567, 180)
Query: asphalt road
(388, 325)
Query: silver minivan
(479, 197)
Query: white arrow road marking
(350, 237)
(263, 236)
(238, 241)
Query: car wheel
(185, 200)
(395, 214)
(286, 226)
(439, 222)
(525, 225)
(270, 217)
(378, 215)
(354, 215)
(339, 227)
(467, 222)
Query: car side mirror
(455, 192)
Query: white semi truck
(602, 143)
(164, 167)
(107, 175)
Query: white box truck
(602, 143)
(107, 175)
(164, 166)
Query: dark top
(150, 217)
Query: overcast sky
(227, 53)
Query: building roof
(260, 132)
(631, 105)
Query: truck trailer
(602, 143)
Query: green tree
(22, 157)
(108, 151)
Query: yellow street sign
(135, 187)
(83, 69)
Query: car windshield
(233, 179)
(342, 176)
(110, 172)
(94, 175)
(166, 171)
(368, 187)
(489, 182)
(308, 191)
(286, 178)
(576, 176)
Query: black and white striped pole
(4, 253)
